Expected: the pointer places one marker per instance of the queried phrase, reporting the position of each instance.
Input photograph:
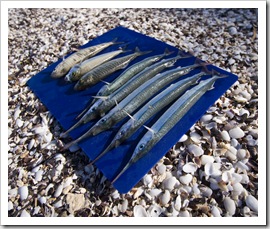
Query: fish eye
(103, 120)
(141, 146)
(122, 133)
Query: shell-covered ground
(212, 171)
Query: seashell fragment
(154, 210)
(139, 211)
(207, 159)
(215, 211)
(38, 175)
(177, 203)
(212, 169)
(190, 167)
(165, 198)
(25, 214)
(186, 179)
(59, 190)
(161, 169)
(229, 206)
(169, 183)
(195, 150)
(225, 135)
(184, 213)
(252, 203)
(23, 192)
(236, 132)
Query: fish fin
(129, 115)
(99, 97)
(167, 52)
(124, 48)
(181, 54)
(149, 129)
(115, 42)
(103, 81)
(140, 53)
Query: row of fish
(142, 88)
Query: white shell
(195, 150)
(237, 187)
(124, 206)
(183, 138)
(236, 132)
(215, 211)
(42, 200)
(38, 175)
(154, 210)
(186, 179)
(25, 214)
(177, 203)
(212, 169)
(161, 169)
(206, 118)
(23, 191)
(10, 205)
(139, 211)
(169, 183)
(58, 190)
(229, 205)
(207, 159)
(165, 197)
(184, 213)
(154, 192)
(190, 167)
(252, 203)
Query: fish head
(102, 91)
(58, 72)
(123, 133)
(102, 125)
(145, 144)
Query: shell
(190, 167)
(236, 132)
(252, 203)
(229, 205)
(139, 211)
(195, 150)
(23, 192)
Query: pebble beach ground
(211, 171)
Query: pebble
(232, 30)
(23, 192)
(236, 132)
(252, 203)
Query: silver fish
(101, 106)
(167, 121)
(100, 72)
(148, 110)
(63, 67)
(133, 101)
(77, 71)
(130, 72)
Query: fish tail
(111, 146)
(122, 171)
(79, 123)
(140, 53)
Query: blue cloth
(65, 104)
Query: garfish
(168, 120)
(148, 110)
(133, 101)
(100, 72)
(130, 72)
(63, 67)
(103, 105)
(77, 71)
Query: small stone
(241, 154)
(236, 132)
(76, 202)
(23, 192)
(206, 118)
(252, 203)
(161, 169)
(232, 30)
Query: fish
(161, 100)
(130, 72)
(63, 67)
(101, 106)
(168, 120)
(100, 72)
(77, 71)
(132, 102)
